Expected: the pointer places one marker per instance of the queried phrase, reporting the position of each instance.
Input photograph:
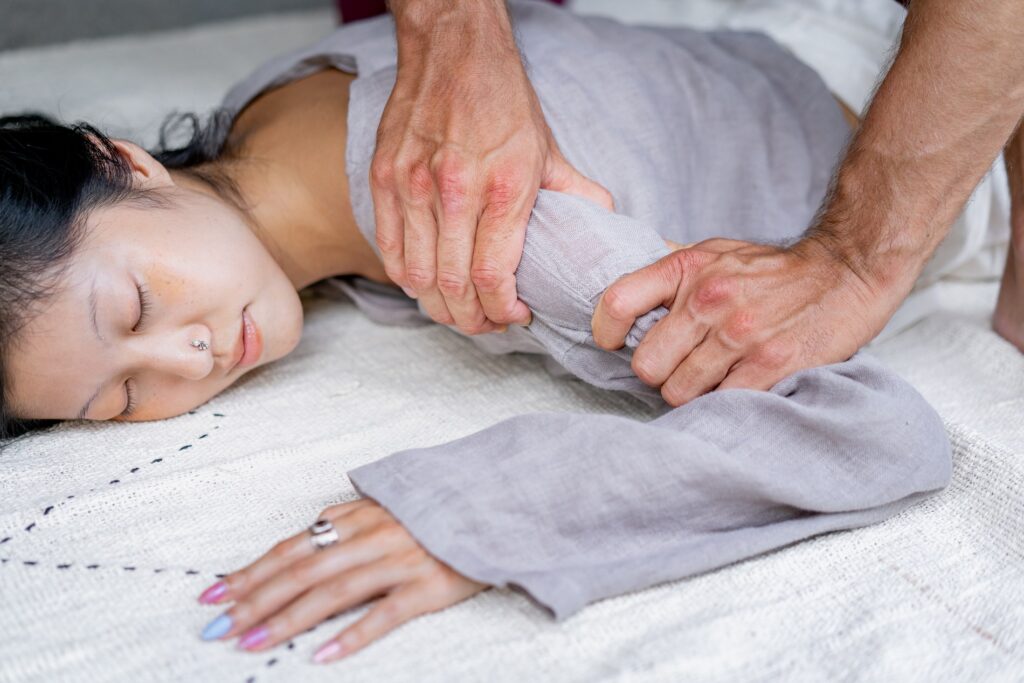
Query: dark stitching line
(127, 568)
(50, 508)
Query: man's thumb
(562, 177)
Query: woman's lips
(251, 341)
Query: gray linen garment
(696, 135)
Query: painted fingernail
(409, 293)
(217, 628)
(328, 651)
(214, 593)
(253, 638)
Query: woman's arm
(574, 508)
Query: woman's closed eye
(129, 389)
(144, 307)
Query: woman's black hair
(51, 177)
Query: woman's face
(142, 284)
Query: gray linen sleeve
(574, 508)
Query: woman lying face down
(137, 286)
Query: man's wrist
(879, 224)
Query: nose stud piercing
(200, 344)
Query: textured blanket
(109, 532)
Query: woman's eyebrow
(92, 312)
(85, 408)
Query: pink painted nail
(328, 651)
(214, 593)
(253, 638)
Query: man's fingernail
(214, 593)
(254, 638)
(217, 628)
(328, 651)
(502, 329)
(409, 293)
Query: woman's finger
(435, 590)
(237, 584)
(399, 606)
(272, 595)
(335, 595)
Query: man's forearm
(953, 96)
(424, 24)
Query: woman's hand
(294, 587)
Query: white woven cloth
(109, 532)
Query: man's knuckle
(487, 275)
(419, 277)
(452, 183)
(382, 172)
(420, 184)
(389, 242)
(503, 190)
(644, 368)
(452, 284)
(674, 393)
(739, 328)
(712, 291)
(774, 354)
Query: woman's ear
(147, 172)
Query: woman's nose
(183, 352)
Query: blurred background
(123, 65)
(37, 22)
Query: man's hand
(462, 149)
(740, 315)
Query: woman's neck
(288, 165)
(309, 244)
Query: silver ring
(322, 534)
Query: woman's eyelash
(130, 408)
(144, 306)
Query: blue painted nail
(216, 628)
